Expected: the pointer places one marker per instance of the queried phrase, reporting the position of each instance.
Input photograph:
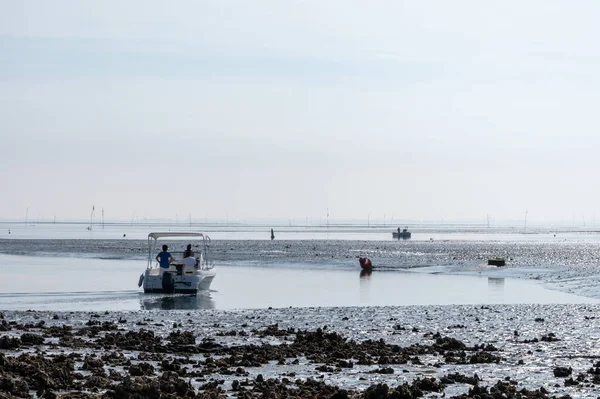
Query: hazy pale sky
(418, 110)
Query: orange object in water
(365, 263)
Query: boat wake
(69, 293)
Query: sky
(294, 110)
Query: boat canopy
(153, 237)
(174, 234)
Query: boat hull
(177, 291)
(184, 283)
(496, 262)
(206, 281)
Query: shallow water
(67, 267)
(59, 283)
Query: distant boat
(496, 262)
(401, 234)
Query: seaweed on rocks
(405, 391)
(140, 369)
(7, 342)
(282, 388)
(39, 372)
(179, 338)
(142, 340)
(484, 357)
(64, 330)
(274, 331)
(460, 378)
(504, 390)
(15, 386)
(144, 387)
(91, 362)
(4, 325)
(356, 356)
(115, 359)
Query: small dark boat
(401, 234)
(496, 262)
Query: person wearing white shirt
(189, 261)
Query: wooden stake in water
(92, 217)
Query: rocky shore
(524, 351)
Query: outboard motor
(168, 283)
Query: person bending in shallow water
(164, 259)
(365, 263)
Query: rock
(141, 369)
(7, 342)
(92, 363)
(32, 339)
(562, 371)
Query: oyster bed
(537, 351)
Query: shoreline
(305, 352)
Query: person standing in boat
(164, 258)
(188, 251)
(188, 257)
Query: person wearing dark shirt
(164, 258)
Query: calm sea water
(60, 283)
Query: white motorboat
(179, 277)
